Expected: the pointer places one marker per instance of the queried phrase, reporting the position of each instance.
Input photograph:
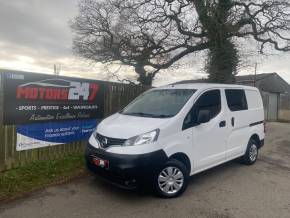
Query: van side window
(209, 101)
(236, 99)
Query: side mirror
(203, 116)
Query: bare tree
(114, 74)
(110, 31)
(151, 35)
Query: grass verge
(17, 182)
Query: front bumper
(126, 171)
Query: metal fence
(284, 108)
(276, 106)
(116, 97)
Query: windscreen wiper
(139, 114)
(148, 115)
(162, 116)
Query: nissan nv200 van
(170, 133)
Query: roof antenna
(255, 78)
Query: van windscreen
(160, 103)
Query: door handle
(233, 121)
(223, 123)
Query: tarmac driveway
(230, 190)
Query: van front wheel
(172, 179)
(251, 155)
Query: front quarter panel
(179, 142)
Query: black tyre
(251, 155)
(172, 180)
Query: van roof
(199, 86)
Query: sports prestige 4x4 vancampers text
(170, 133)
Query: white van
(169, 133)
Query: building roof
(251, 77)
(269, 82)
(203, 86)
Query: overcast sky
(35, 35)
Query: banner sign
(33, 97)
(30, 136)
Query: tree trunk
(143, 77)
(223, 57)
(223, 61)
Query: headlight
(95, 134)
(143, 138)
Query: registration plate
(100, 162)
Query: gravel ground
(230, 190)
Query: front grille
(106, 142)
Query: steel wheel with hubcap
(172, 180)
(251, 154)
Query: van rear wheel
(172, 180)
(251, 155)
